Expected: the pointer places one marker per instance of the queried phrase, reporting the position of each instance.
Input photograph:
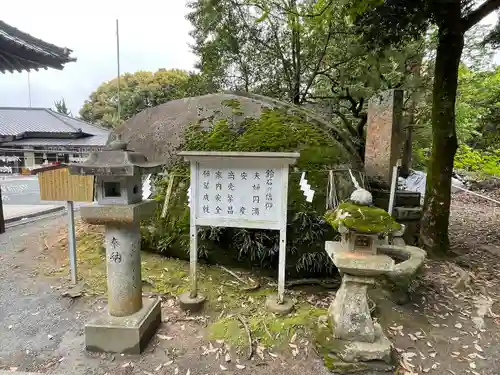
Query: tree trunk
(435, 219)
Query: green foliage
(306, 52)
(61, 107)
(482, 162)
(392, 23)
(364, 219)
(478, 108)
(274, 130)
(139, 91)
(477, 111)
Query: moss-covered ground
(228, 298)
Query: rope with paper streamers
(306, 188)
(332, 194)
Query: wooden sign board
(56, 184)
(239, 190)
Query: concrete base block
(274, 306)
(127, 335)
(191, 304)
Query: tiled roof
(20, 51)
(16, 121)
(92, 141)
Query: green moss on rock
(364, 219)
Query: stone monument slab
(384, 144)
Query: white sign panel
(240, 190)
(241, 197)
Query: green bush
(482, 162)
(277, 131)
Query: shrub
(482, 162)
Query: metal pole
(118, 67)
(29, 89)
(2, 220)
(193, 233)
(72, 242)
(282, 243)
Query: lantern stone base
(358, 351)
(128, 334)
(354, 357)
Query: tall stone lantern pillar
(130, 320)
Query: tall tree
(61, 107)
(268, 47)
(394, 21)
(139, 91)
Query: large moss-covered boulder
(231, 122)
(158, 132)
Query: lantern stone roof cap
(362, 219)
(115, 160)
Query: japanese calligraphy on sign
(239, 193)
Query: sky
(153, 34)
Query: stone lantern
(130, 320)
(363, 254)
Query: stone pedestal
(123, 243)
(349, 312)
(191, 303)
(357, 337)
(128, 335)
(273, 304)
(131, 320)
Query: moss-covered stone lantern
(131, 320)
(361, 255)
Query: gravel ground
(34, 317)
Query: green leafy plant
(481, 162)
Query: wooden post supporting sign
(56, 184)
